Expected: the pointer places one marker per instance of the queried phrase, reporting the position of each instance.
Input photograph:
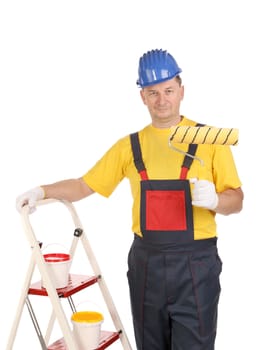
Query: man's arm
(230, 201)
(71, 190)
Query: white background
(68, 92)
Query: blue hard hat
(156, 66)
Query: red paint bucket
(59, 266)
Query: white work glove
(204, 194)
(30, 197)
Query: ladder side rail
(78, 225)
(50, 326)
(106, 294)
(54, 298)
(101, 282)
(53, 316)
(90, 254)
(24, 295)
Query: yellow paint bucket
(87, 329)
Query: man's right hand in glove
(30, 197)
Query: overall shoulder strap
(137, 154)
(187, 162)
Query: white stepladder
(76, 283)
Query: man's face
(163, 102)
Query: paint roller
(202, 135)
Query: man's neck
(166, 124)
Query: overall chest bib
(165, 208)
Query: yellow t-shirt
(162, 162)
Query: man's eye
(153, 93)
(169, 92)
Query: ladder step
(106, 339)
(75, 284)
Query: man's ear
(182, 92)
(143, 96)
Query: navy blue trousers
(174, 293)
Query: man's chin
(163, 114)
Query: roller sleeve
(204, 135)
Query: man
(173, 262)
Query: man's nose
(161, 98)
